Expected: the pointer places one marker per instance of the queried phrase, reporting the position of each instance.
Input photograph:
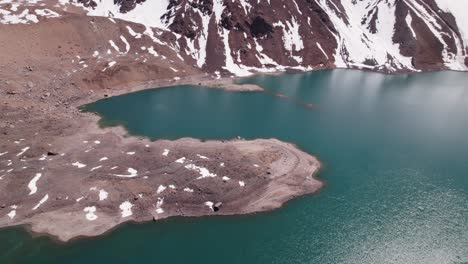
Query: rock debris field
(86, 186)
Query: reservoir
(395, 155)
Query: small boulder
(217, 206)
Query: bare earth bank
(64, 176)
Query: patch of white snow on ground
(46, 13)
(126, 208)
(188, 190)
(127, 45)
(90, 213)
(103, 195)
(458, 9)
(409, 21)
(43, 200)
(78, 165)
(202, 157)
(95, 168)
(23, 151)
(161, 189)
(132, 173)
(166, 152)
(152, 51)
(32, 184)
(321, 49)
(204, 172)
(292, 39)
(133, 33)
(109, 65)
(159, 203)
(210, 205)
(241, 183)
(181, 160)
(113, 45)
(148, 14)
(12, 214)
(23, 18)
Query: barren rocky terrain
(62, 175)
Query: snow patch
(202, 157)
(103, 195)
(148, 14)
(132, 173)
(188, 190)
(12, 214)
(181, 160)
(95, 168)
(90, 213)
(161, 189)
(126, 208)
(166, 152)
(23, 151)
(32, 184)
(78, 165)
(204, 172)
(210, 205)
(133, 33)
(159, 203)
(43, 200)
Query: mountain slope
(240, 37)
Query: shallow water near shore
(395, 154)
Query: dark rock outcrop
(260, 28)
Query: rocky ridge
(245, 36)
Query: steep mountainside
(244, 36)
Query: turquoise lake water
(395, 150)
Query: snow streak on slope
(292, 39)
(148, 14)
(459, 9)
(199, 54)
(356, 44)
(434, 23)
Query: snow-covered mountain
(245, 36)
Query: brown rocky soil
(64, 176)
